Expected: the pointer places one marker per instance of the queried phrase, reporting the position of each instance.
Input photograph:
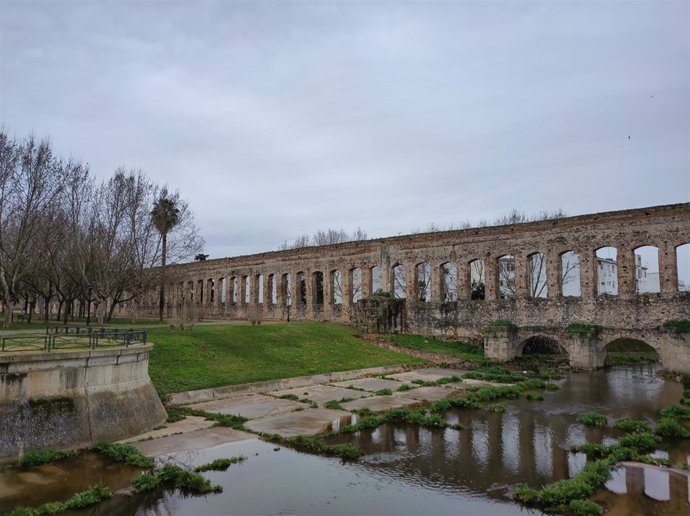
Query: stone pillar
(294, 293)
(463, 280)
(490, 278)
(366, 281)
(411, 290)
(500, 343)
(673, 351)
(668, 268)
(589, 278)
(554, 275)
(346, 279)
(626, 271)
(436, 280)
(586, 352)
(522, 289)
(309, 283)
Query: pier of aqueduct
(438, 275)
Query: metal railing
(91, 339)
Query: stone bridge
(544, 274)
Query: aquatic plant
(36, 458)
(629, 425)
(92, 496)
(592, 419)
(125, 453)
(172, 476)
(220, 464)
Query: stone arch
(376, 277)
(317, 288)
(569, 276)
(646, 271)
(545, 339)
(630, 343)
(423, 282)
(506, 276)
(682, 272)
(477, 279)
(606, 270)
(356, 279)
(399, 281)
(449, 282)
(336, 287)
(536, 275)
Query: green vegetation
(214, 356)
(670, 427)
(676, 411)
(220, 464)
(333, 404)
(534, 396)
(592, 419)
(406, 387)
(586, 330)
(91, 496)
(629, 425)
(171, 477)
(425, 344)
(317, 445)
(422, 417)
(384, 392)
(36, 458)
(500, 323)
(495, 407)
(495, 374)
(682, 326)
(236, 422)
(125, 453)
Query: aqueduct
(496, 284)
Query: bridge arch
(541, 342)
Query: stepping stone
(305, 422)
(426, 393)
(370, 384)
(191, 441)
(321, 393)
(251, 407)
(379, 403)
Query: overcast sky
(280, 118)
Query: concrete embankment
(66, 399)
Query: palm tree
(165, 216)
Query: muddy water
(409, 470)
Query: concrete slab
(321, 393)
(251, 407)
(370, 384)
(426, 393)
(191, 441)
(305, 422)
(188, 424)
(379, 403)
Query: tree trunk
(9, 308)
(161, 299)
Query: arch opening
(317, 279)
(449, 282)
(570, 274)
(235, 290)
(683, 267)
(477, 280)
(538, 345)
(272, 289)
(224, 290)
(647, 270)
(627, 351)
(247, 285)
(301, 290)
(286, 289)
(506, 277)
(376, 279)
(336, 287)
(538, 287)
(607, 271)
(259, 285)
(423, 282)
(399, 282)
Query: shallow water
(411, 470)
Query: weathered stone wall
(65, 399)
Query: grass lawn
(439, 347)
(212, 356)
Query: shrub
(535, 396)
(670, 427)
(585, 508)
(384, 392)
(495, 407)
(676, 411)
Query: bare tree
(325, 237)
